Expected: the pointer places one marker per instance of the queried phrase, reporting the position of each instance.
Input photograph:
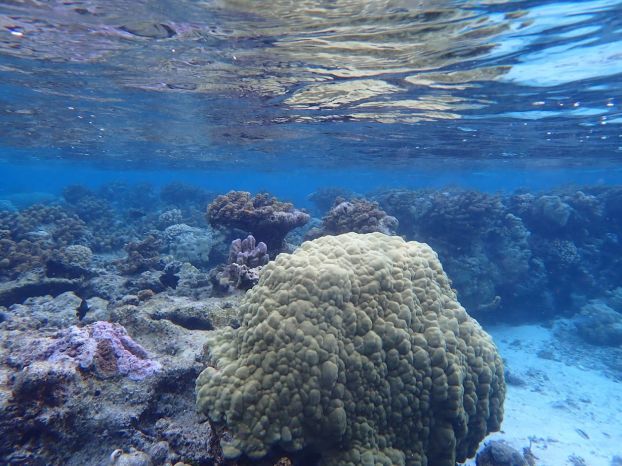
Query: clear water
(293, 96)
(419, 90)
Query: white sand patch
(568, 412)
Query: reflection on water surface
(193, 77)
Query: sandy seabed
(569, 413)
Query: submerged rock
(189, 244)
(47, 311)
(497, 453)
(598, 324)
(133, 458)
(72, 395)
(31, 285)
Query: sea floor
(560, 402)
(563, 404)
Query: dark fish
(135, 214)
(582, 434)
(150, 30)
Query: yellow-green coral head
(355, 346)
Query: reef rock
(34, 285)
(103, 348)
(47, 311)
(497, 453)
(74, 395)
(189, 244)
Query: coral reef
(188, 244)
(102, 348)
(190, 201)
(17, 257)
(355, 347)
(482, 246)
(6, 205)
(600, 325)
(514, 256)
(70, 262)
(73, 395)
(25, 200)
(324, 198)
(142, 256)
(551, 211)
(66, 398)
(51, 223)
(521, 255)
(358, 216)
(108, 233)
(246, 258)
(263, 216)
(248, 252)
(169, 218)
(124, 196)
(185, 195)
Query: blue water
(297, 183)
(236, 96)
(239, 86)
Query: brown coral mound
(28, 238)
(268, 219)
(355, 346)
(358, 216)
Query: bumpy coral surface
(355, 346)
(268, 219)
(358, 215)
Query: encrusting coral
(355, 347)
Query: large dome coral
(356, 347)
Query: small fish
(136, 214)
(582, 434)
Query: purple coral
(246, 258)
(247, 252)
(102, 347)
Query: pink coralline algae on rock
(102, 347)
